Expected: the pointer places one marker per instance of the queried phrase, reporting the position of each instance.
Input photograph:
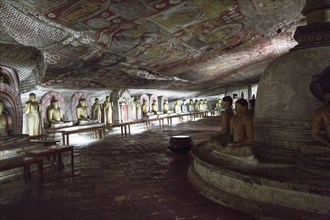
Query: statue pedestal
(56, 133)
(87, 122)
(314, 160)
(264, 189)
(61, 124)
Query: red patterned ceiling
(158, 44)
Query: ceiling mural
(147, 44)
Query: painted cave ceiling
(193, 45)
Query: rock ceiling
(193, 45)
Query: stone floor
(119, 178)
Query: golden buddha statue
(82, 112)
(32, 113)
(55, 115)
(6, 121)
(154, 107)
(144, 107)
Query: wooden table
(100, 131)
(25, 162)
(41, 152)
(46, 142)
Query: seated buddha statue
(241, 134)
(320, 120)
(82, 113)
(55, 115)
(6, 121)
(222, 137)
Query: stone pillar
(282, 119)
(119, 99)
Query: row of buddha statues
(34, 119)
(236, 129)
(179, 106)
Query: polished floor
(119, 178)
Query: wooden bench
(57, 150)
(25, 162)
(98, 132)
(46, 142)
(160, 120)
(124, 128)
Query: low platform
(263, 189)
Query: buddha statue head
(226, 102)
(241, 106)
(32, 97)
(82, 102)
(54, 103)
